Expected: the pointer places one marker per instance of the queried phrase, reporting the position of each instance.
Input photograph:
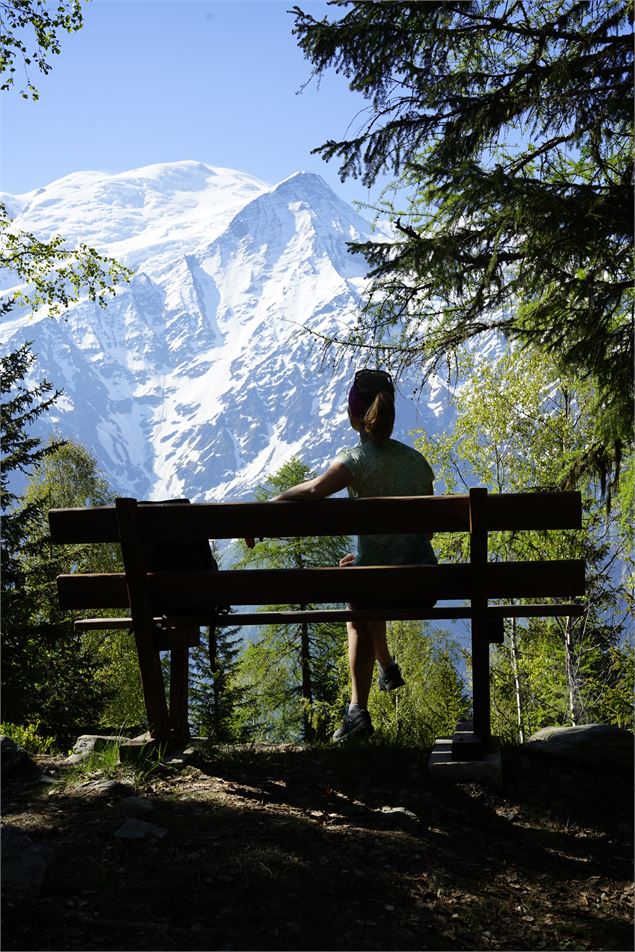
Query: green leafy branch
(54, 274)
(15, 20)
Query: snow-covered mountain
(197, 379)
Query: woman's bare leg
(366, 641)
(381, 645)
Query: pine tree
(21, 407)
(509, 128)
(51, 674)
(214, 696)
(291, 673)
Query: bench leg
(179, 680)
(153, 688)
(472, 739)
(480, 683)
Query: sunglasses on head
(372, 381)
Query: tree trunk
(305, 665)
(307, 686)
(213, 666)
(516, 673)
(570, 669)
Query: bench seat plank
(237, 619)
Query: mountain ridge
(196, 379)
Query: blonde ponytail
(380, 417)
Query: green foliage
(510, 129)
(28, 737)
(270, 710)
(101, 762)
(289, 677)
(45, 21)
(611, 692)
(20, 408)
(214, 694)
(522, 422)
(565, 675)
(433, 698)
(54, 274)
(518, 426)
(117, 679)
(49, 672)
(288, 683)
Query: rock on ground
(23, 862)
(16, 762)
(137, 804)
(586, 743)
(87, 744)
(140, 830)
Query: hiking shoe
(356, 723)
(391, 678)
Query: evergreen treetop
(510, 127)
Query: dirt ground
(325, 849)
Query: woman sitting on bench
(376, 466)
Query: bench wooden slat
(450, 612)
(526, 511)
(239, 619)
(161, 521)
(92, 590)
(263, 586)
(405, 514)
(559, 578)
(75, 526)
(562, 578)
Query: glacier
(197, 379)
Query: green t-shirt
(389, 469)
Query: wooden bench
(478, 588)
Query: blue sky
(150, 81)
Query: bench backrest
(134, 524)
(339, 517)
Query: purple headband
(357, 405)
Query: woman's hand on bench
(347, 560)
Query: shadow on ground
(330, 849)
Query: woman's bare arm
(336, 477)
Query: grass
(27, 736)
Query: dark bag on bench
(194, 556)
